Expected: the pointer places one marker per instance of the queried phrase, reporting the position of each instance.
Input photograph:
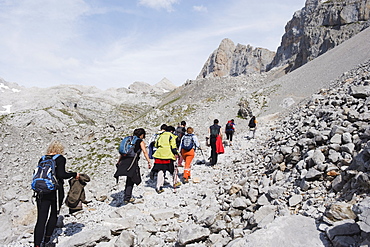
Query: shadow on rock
(117, 199)
(73, 228)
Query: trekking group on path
(169, 147)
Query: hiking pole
(204, 160)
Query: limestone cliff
(234, 60)
(319, 27)
(313, 30)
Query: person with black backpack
(189, 143)
(252, 126)
(49, 202)
(229, 131)
(214, 131)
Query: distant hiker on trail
(215, 134)
(165, 157)
(128, 163)
(48, 201)
(189, 142)
(229, 131)
(252, 126)
(180, 132)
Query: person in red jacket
(214, 131)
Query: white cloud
(200, 8)
(159, 4)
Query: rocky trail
(155, 219)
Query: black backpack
(215, 130)
(180, 132)
(252, 124)
(229, 127)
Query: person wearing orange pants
(188, 156)
(189, 142)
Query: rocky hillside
(319, 27)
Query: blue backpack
(44, 177)
(187, 142)
(127, 146)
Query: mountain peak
(230, 59)
(163, 86)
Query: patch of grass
(2, 117)
(117, 140)
(89, 163)
(65, 112)
(209, 100)
(170, 102)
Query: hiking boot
(129, 201)
(186, 180)
(177, 184)
(160, 190)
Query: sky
(113, 43)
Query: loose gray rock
(340, 211)
(88, 238)
(192, 233)
(290, 231)
(163, 214)
(125, 239)
(294, 200)
(343, 228)
(313, 174)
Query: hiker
(48, 204)
(152, 140)
(188, 145)
(129, 166)
(180, 132)
(229, 131)
(152, 148)
(252, 126)
(164, 158)
(215, 131)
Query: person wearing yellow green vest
(164, 157)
